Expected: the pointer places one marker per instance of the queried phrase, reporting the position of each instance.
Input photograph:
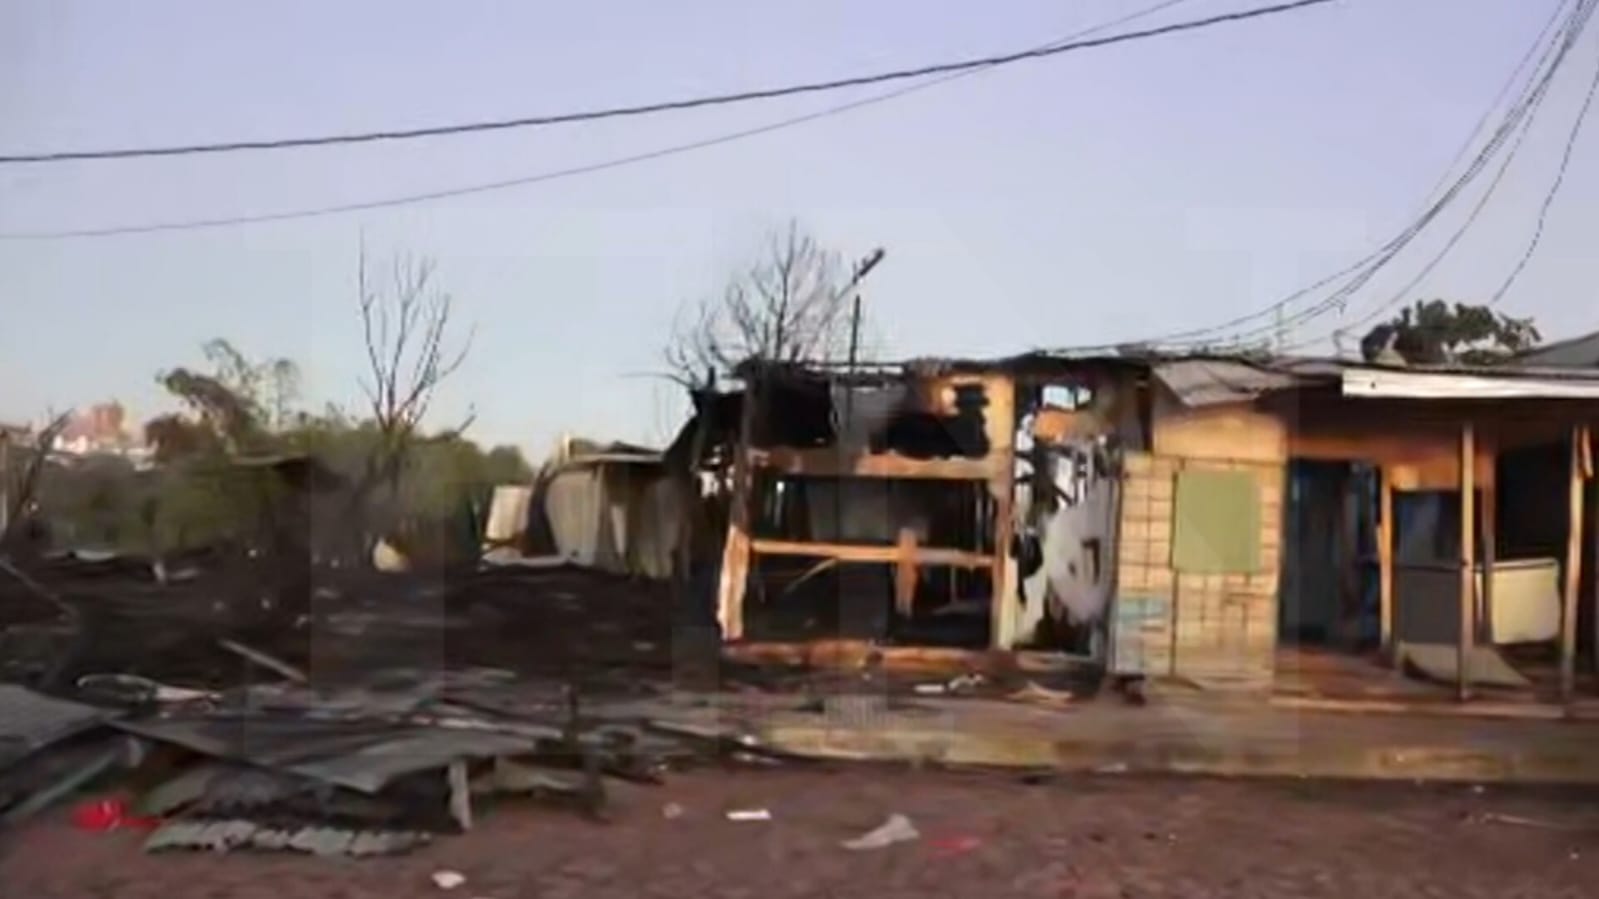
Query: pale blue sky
(1101, 196)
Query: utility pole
(862, 269)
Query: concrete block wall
(1218, 628)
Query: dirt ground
(982, 834)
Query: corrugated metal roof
(1576, 352)
(361, 755)
(1210, 379)
(30, 721)
(1209, 382)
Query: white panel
(1434, 385)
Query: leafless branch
(19, 493)
(406, 329)
(789, 306)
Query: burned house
(1298, 525)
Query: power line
(1554, 189)
(1511, 126)
(558, 174)
(1216, 332)
(1520, 123)
(1514, 127)
(659, 106)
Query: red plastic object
(101, 815)
(944, 847)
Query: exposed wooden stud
(1004, 608)
(1468, 562)
(853, 552)
(849, 655)
(828, 462)
(1385, 563)
(734, 582)
(1568, 608)
(905, 571)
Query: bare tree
(791, 305)
(19, 487)
(406, 326)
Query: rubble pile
(189, 699)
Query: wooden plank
(731, 588)
(1568, 606)
(854, 552)
(1385, 565)
(1488, 531)
(905, 570)
(838, 654)
(829, 462)
(1005, 608)
(734, 583)
(1468, 561)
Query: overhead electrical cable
(1521, 121)
(723, 99)
(1272, 314)
(1511, 132)
(1554, 190)
(555, 174)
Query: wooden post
(1385, 562)
(1468, 561)
(1004, 611)
(1488, 529)
(1594, 599)
(736, 552)
(1568, 607)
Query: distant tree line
(213, 482)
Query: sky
(1099, 196)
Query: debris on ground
(428, 695)
(101, 815)
(1515, 821)
(950, 846)
(749, 814)
(897, 829)
(448, 880)
(1037, 694)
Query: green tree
(1437, 332)
(234, 407)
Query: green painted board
(1217, 522)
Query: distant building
(101, 430)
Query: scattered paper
(1517, 820)
(448, 880)
(897, 829)
(749, 814)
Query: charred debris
(259, 697)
